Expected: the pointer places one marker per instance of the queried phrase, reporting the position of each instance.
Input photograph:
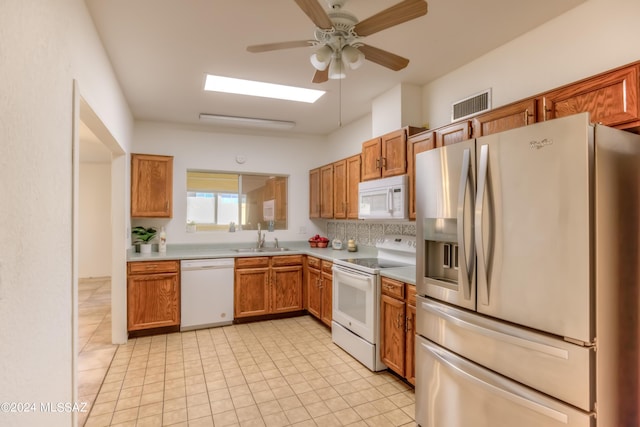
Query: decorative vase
(145, 248)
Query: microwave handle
(390, 200)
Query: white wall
(597, 36)
(202, 148)
(44, 46)
(95, 220)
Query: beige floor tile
(225, 418)
(174, 417)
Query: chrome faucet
(276, 239)
(260, 237)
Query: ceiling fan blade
(316, 13)
(257, 48)
(397, 14)
(321, 76)
(384, 58)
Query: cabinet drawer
(327, 267)
(143, 267)
(313, 262)
(277, 261)
(252, 262)
(393, 288)
(411, 294)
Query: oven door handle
(358, 280)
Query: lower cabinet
(267, 285)
(319, 284)
(153, 294)
(397, 322)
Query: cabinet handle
(399, 321)
(526, 117)
(384, 162)
(407, 325)
(378, 163)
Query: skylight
(265, 90)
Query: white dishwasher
(207, 293)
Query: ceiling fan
(339, 35)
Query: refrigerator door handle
(465, 271)
(493, 385)
(479, 212)
(509, 337)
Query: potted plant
(143, 236)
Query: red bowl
(313, 243)
(323, 244)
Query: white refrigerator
(528, 279)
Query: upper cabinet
(346, 176)
(326, 191)
(386, 156)
(151, 186)
(610, 98)
(453, 133)
(314, 193)
(516, 115)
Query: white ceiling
(161, 49)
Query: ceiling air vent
(471, 105)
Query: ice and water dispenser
(441, 250)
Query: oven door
(354, 301)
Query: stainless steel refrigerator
(528, 273)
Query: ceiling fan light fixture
(321, 58)
(336, 68)
(352, 56)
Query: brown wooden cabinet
(340, 189)
(386, 156)
(453, 133)
(512, 116)
(314, 193)
(267, 285)
(416, 144)
(153, 294)
(611, 98)
(353, 179)
(326, 191)
(319, 283)
(151, 186)
(346, 177)
(397, 322)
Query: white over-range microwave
(385, 198)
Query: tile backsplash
(366, 232)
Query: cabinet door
(314, 300)
(251, 292)
(512, 116)
(151, 186)
(410, 344)
(327, 297)
(416, 144)
(610, 98)
(392, 335)
(451, 134)
(394, 153)
(286, 289)
(153, 301)
(314, 193)
(371, 159)
(353, 179)
(340, 189)
(326, 191)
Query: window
(216, 199)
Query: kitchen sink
(251, 250)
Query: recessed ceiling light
(266, 90)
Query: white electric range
(356, 297)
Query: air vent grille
(471, 105)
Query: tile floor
(270, 373)
(94, 334)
